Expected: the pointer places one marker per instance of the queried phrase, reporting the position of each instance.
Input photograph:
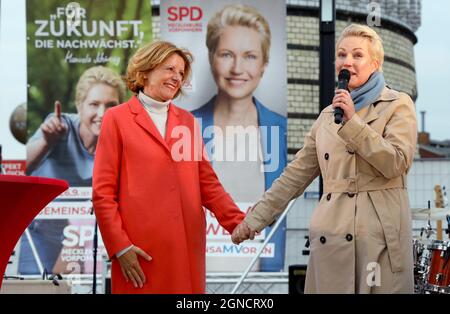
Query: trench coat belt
(374, 186)
(364, 183)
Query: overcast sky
(432, 53)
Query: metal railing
(261, 248)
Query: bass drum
(438, 280)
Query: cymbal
(430, 213)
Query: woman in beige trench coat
(360, 233)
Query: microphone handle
(343, 85)
(338, 112)
(338, 115)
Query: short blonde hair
(148, 57)
(376, 44)
(98, 75)
(237, 15)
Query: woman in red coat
(151, 180)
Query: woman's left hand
(131, 269)
(343, 100)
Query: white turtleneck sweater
(156, 110)
(158, 113)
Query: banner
(238, 93)
(13, 121)
(76, 55)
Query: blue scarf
(366, 94)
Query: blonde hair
(363, 31)
(237, 15)
(98, 75)
(148, 57)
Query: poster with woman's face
(185, 23)
(238, 93)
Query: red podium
(22, 198)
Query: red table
(22, 198)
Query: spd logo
(180, 13)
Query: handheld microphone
(343, 79)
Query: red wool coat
(143, 194)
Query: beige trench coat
(360, 233)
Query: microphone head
(344, 74)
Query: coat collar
(370, 113)
(367, 114)
(387, 94)
(206, 112)
(144, 121)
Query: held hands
(242, 232)
(54, 128)
(343, 100)
(131, 269)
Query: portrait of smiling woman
(64, 147)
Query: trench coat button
(349, 237)
(350, 194)
(327, 156)
(323, 239)
(328, 196)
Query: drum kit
(431, 256)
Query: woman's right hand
(343, 100)
(54, 128)
(242, 232)
(131, 269)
